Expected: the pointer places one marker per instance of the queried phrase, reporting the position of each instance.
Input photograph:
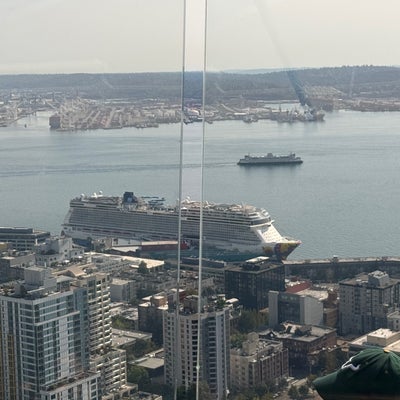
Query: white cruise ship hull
(231, 229)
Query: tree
(138, 375)
(303, 391)
(119, 322)
(261, 390)
(330, 360)
(251, 320)
(220, 303)
(293, 393)
(310, 379)
(142, 347)
(181, 393)
(282, 383)
(237, 340)
(267, 396)
(247, 322)
(240, 396)
(190, 394)
(142, 269)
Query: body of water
(343, 200)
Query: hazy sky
(46, 36)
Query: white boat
(270, 159)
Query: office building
(297, 308)
(23, 238)
(251, 281)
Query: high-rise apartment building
(44, 354)
(110, 362)
(366, 301)
(55, 339)
(182, 342)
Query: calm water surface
(343, 200)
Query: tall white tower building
(181, 346)
(42, 343)
(55, 339)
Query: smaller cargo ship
(270, 159)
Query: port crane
(310, 113)
(298, 88)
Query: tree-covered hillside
(358, 81)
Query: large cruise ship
(239, 231)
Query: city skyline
(130, 36)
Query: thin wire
(199, 307)
(180, 184)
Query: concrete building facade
(385, 338)
(366, 301)
(184, 340)
(251, 282)
(302, 342)
(55, 339)
(44, 353)
(56, 250)
(13, 264)
(297, 308)
(258, 362)
(22, 239)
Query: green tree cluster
(142, 347)
(251, 320)
(138, 375)
(298, 393)
(119, 322)
(142, 269)
(190, 394)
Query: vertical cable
(199, 302)
(179, 205)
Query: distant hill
(357, 81)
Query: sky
(66, 36)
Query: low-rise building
(13, 263)
(122, 290)
(258, 362)
(382, 337)
(57, 250)
(393, 320)
(150, 314)
(109, 263)
(303, 342)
